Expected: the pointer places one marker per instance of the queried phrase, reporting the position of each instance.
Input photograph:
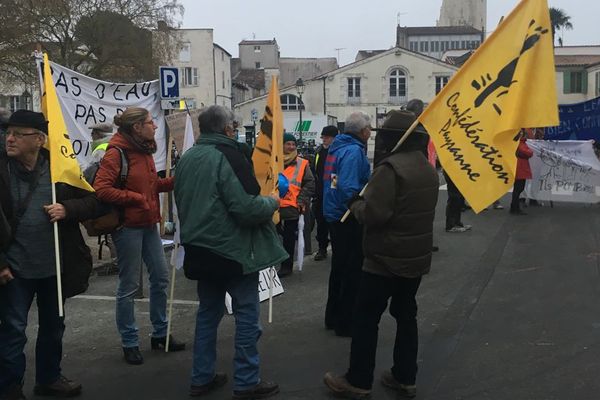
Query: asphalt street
(510, 310)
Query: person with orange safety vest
(301, 187)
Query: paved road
(510, 310)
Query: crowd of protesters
(381, 241)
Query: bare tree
(89, 36)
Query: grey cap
(105, 127)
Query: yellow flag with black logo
(63, 161)
(268, 151)
(506, 85)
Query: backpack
(111, 217)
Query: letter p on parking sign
(169, 82)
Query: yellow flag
(268, 152)
(508, 84)
(63, 161)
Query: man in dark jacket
(347, 171)
(27, 261)
(397, 211)
(327, 135)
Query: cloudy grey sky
(315, 28)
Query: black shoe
(161, 343)
(63, 387)
(321, 255)
(260, 391)
(219, 380)
(14, 392)
(435, 248)
(132, 355)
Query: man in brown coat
(397, 211)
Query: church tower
(464, 12)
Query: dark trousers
(288, 230)
(15, 301)
(455, 204)
(346, 266)
(372, 301)
(517, 190)
(322, 225)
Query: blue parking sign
(169, 82)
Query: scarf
(289, 158)
(144, 146)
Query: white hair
(356, 122)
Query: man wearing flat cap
(397, 212)
(27, 260)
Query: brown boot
(342, 388)
(63, 387)
(388, 379)
(261, 390)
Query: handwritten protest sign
(87, 101)
(564, 171)
(264, 283)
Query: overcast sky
(316, 28)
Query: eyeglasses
(151, 122)
(20, 135)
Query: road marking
(144, 300)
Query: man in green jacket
(228, 236)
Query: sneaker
(262, 390)
(63, 387)
(498, 206)
(388, 380)
(457, 229)
(518, 212)
(219, 380)
(320, 255)
(14, 392)
(342, 388)
(467, 227)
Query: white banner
(87, 101)
(564, 171)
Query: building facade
(204, 69)
(374, 85)
(434, 41)
(471, 13)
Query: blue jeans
(15, 301)
(244, 295)
(133, 246)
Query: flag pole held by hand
(402, 140)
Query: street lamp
(300, 90)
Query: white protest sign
(264, 282)
(87, 101)
(564, 171)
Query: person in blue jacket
(346, 172)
